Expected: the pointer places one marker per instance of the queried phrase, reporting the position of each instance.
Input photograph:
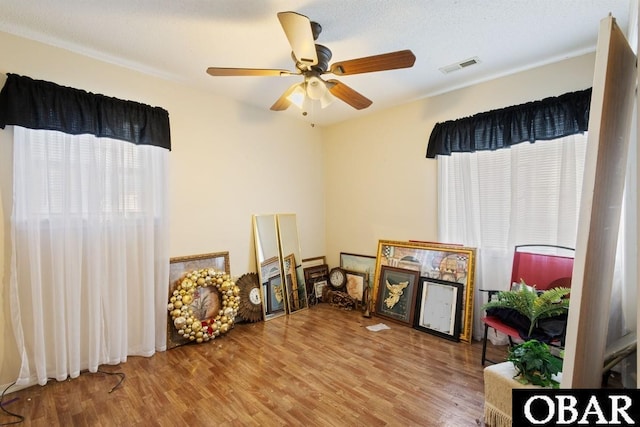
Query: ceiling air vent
(460, 65)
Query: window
(78, 161)
(494, 200)
(529, 193)
(89, 228)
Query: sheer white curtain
(494, 200)
(89, 274)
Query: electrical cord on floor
(20, 418)
(120, 374)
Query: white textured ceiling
(179, 39)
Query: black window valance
(546, 119)
(38, 104)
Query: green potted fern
(533, 361)
(532, 304)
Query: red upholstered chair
(542, 266)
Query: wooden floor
(318, 367)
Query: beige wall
(379, 185)
(350, 184)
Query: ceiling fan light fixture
(312, 61)
(297, 96)
(316, 88)
(326, 99)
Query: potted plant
(532, 304)
(535, 364)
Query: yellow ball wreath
(187, 289)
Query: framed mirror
(265, 233)
(293, 273)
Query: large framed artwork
(397, 294)
(450, 263)
(207, 302)
(438, 310)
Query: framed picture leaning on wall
(356, 284)
(361, 263)
(397, 291)
(452, 263)
(439, 308)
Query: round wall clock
(250, 308)
(254, 296)
(337, 277)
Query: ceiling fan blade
(385, 61)
(297, 28)
(348, 95)
(219, 71)
(283, 102)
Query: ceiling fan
(312, 61)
